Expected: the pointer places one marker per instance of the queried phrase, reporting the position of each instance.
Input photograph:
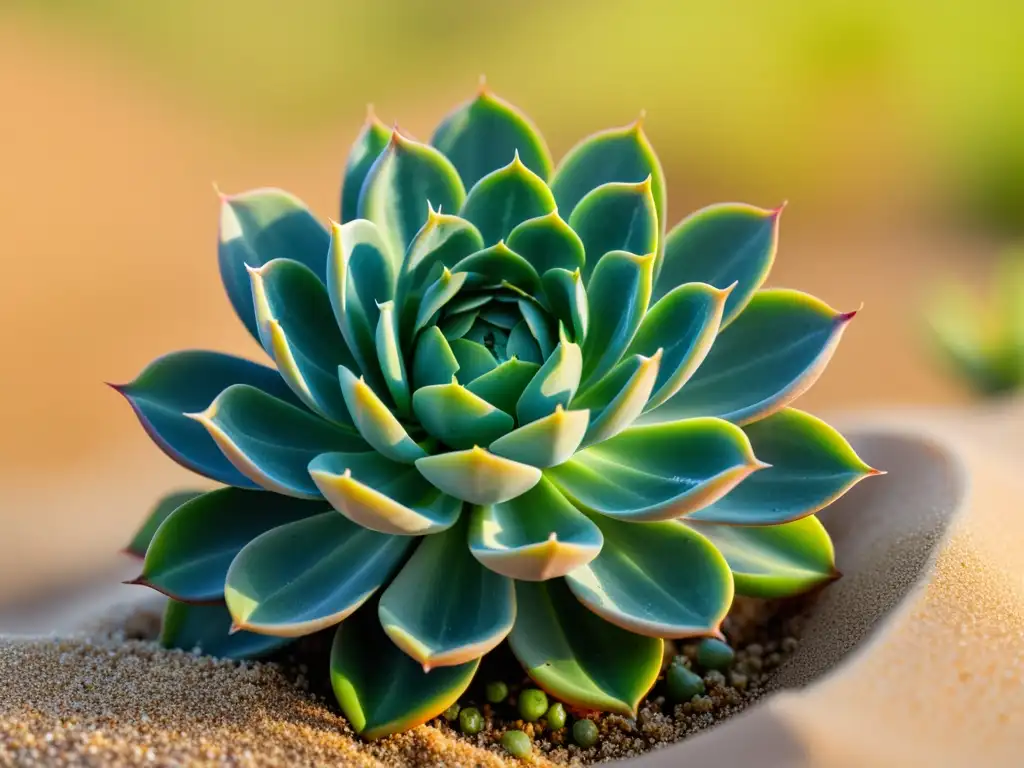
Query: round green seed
(471, 722)
(682, 684)
(452, 712)
(533, 704)
(555, 716)
(585, 733)
(496, 692)
(517, 744)
(714, 654)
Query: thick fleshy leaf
(502, 386)
(161, 510)
(191, 551)
(621, 284)
(766, 359)
(658, 472)
(628, 403)
(298, 330)
(375, 422)
(659, 580)
(771, 561)
(444, 608)
(554, 384)
(360, 274)
(259, 226)
(616, 217)
(456, 326)
(474, 360)
(270, 441)
(721, 245)
(185, 382)
(546, 442)
(533, 537)
(392, 361)
(383, 495)
(403, 179)
(547, 242)
(576, 656)
(370, 142)
(568, 299)
(380, 689)
(457, 417)
(433, 361)
(304, 576)
(522, 344)
(812, 465)
(442, 242)
(505, 198)
(540, 326)
(496, 265)
(502, 314)
(478, 476)
(481, 135)
(684, 324)
(438, 293)
(208, 628)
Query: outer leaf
(812, 465)
(534, 537)
(502, 386)
(477, 476)
(304, 576)
(659, 580)
(399, 185)
(578, 657)
(270, 441)
(457, 417)
(377, 425)
(548, 242)
(392, 361)
(616, 217)
(771, 561)
(208, 627)
(444, 608)
(568, 299)
(481, 135)
(722, 245)
(260, 226)
(184, 382)
(433, 362)
(368, 145)
(546, 442)
(770, 356)
(382, 495)
(496, 265)
(623, 281)
(380, 689)
(191, 551)
(160, 511)
(657, 472)
(554, 384)
(504, 198)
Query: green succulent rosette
(504, 404)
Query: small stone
(517, 744)
(790, 644)
(702, 704)
(452, 712)
(584, 732)
(738, 680)
(754, 664)
(773, 660)
(471, 722)
(755, 649)
(532, 704)
(555, 716)
(714, 677)
(714, 654)
(681, 684)
(496, 692)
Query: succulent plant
(505, 404)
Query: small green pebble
(585, 733)
(471, 722)
(556, 716)
(714, 654)
(452, 712)
(533, 704)
(682, 684)
(517, 744)
(496, 692)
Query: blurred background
(894, 129)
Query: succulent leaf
(474, 360)
(533, 537)
(660, 580)
(433, 361)
(505, 198)
(523, 345)
(457, 417)
(537, 322)
(208, 628)
(659, 471)
(497, 264)
(161, 510)
(392, 361)
(578, 657)
(404, 180)
(442, 243)
(260, 226)
(772, 561)
(477, 476)
(383, 495)
(774, 351)
(812, 465)
(616, 217)
(375, 422)
(722, 245)
(444, 608)
(380, 689)
(438, 293)
(546, 442)
(308, 575)
(185, 382)
(629, 401)
(554, 384)
(547, 242)
(370, 142)
(568, 300)
(481, 135)
(270, 441)
(191, 551)
(504, 385)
